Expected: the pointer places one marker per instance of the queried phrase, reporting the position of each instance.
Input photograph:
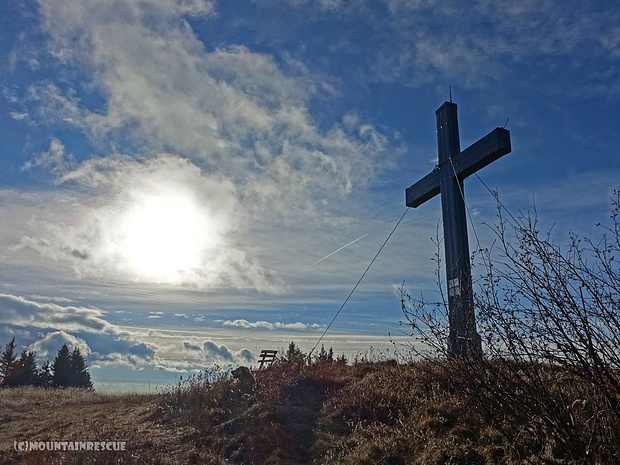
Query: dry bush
(228, 421)
(364, 413)
(550, 323)
(403, 414)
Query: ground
(327, 413)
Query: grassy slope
(367, 413)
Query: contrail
(335, 251)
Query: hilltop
(325, 413)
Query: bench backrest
(267, 356)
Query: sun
(165, 237)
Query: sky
(176, 175)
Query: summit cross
(447, 179)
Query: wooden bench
(267, 356)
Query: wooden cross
(447, 178)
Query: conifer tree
(62, 368)
(80, 374)
(321, 357)
(8, 363)
(45, 378)
(26, 371)
(294, 355)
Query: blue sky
(168, 168)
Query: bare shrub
(549, 316)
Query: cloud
(111, 238)
(234, 110)
(472, 44)
(54, 299)
(228, 130)
(222, 354)
(78, 327)
(18, 311)
(47, 347)
(7, 332)
(18, 116)
(191, 347)
(267, 325)
(123, 348)
(55, 158)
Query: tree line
(67, 370)
(295, 356)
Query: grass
(376, 412)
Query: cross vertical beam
(447, 178)
(463, 338)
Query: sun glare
(165, 237)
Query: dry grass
(365, 413)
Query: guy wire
(357, 284)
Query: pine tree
(80, 374)
(46, 378)
(321, 357)
(62, 368)
(26, 370)
(8, 363)
(325, 356)
(294, 355)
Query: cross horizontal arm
(423, 190)
(488, 149)
(494, 145)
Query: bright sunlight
(166, 236)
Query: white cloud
(220, 353)
(19, 311)
(241, 323)
(60, 300)
(78, 327)
(55, 158)
(232, 127)
(233, 109)
(7, 333)
(214, 353)
(18, 116)
(47, 347)
(103, 242)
